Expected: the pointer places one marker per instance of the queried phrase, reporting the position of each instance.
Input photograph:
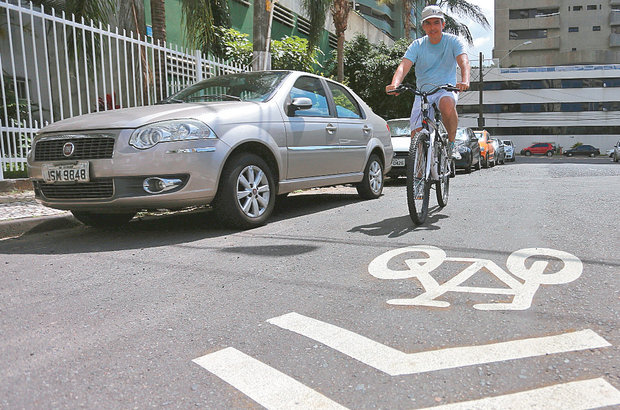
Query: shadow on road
(162, 230)
(399, 226)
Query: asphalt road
(336, 302)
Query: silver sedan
(234, 142)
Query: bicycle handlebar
(411, 88)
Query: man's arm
(463, 61)
(400, 73)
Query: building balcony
(614, 40)
(614, 17)
(536, 23)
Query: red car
(541, 148)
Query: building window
(591, 7)
(526, 34)
(577, 8)
(573, 29)
(596, 28)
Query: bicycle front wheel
(442, 187)
(418, 184)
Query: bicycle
(428, 161)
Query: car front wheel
(246, 196)
(99, 220)
(372, 183)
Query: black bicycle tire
(442, 190)
(418, 216)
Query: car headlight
(169, 131)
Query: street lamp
(513, 49)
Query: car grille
(85, 148)
(96, 189)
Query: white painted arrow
(394, 362)
(262, 383)
(579, 395)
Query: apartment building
(533, 33)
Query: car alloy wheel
(372, 183)
(246, 196)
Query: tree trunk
(261, 60)
(340, 14)
(158, 20)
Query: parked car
(587, 150)
(500, 152)
(400, 131)
(467, 145)
(486, 148)
(234, 142)
(509, 149)
(616, 154)
(540, 148)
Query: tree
(461, 8)
(317, 9)
(202, 17)
(369, 68)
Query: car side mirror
(300, 103)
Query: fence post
(198, 56)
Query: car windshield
(399, 128)
(249, 86)
(461, 134)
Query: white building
(562, 105)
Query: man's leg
(449, 116)
(450, 119)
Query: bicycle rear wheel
(442, 187)
(418, 184)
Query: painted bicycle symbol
(532, 276)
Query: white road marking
(420, 268)
(394, 362)
(585, 394)
(262, 383)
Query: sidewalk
(21, 213)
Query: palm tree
(201, 19)
(461, 8)
(317, 10)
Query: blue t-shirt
(435, 64)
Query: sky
(483, 38)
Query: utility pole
(480, 105)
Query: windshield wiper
(170, 101)
(213, 96)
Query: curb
(20, 184)
(24, 226)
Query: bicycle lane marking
(262, 383)
(395, 362)
(533, 276)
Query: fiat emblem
(68, 149)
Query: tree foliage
(289, 53)
(368, 68)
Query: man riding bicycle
(435, 57)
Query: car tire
(470, 165)
(100, 220)
(592, 155)
(372, 183)
(549, 153)
(478, 164)
(247, 192)
(485, 163)
(527, 153)
(452, 168)
(615, 158)
(569, 154)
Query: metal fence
(54, 67)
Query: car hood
(401, 144)
(213, 112)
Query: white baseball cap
(432, 12)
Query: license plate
(398, 162)
(66, 172)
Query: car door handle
(330, 128)
(366, 129)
